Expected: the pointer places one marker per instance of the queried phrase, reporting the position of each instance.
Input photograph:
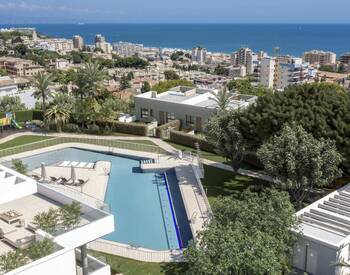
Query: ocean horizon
(292, 39)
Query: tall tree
(171, 75)
(60, 110)
(41, 83)
(222, 98)
(299, 162)
(146, 87)
(248, 235)
(11, 104)
(223, 132)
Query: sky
(174, 11)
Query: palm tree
(88, 80)
(60, 110)
(222, 98)
(41, 83)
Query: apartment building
(21, 199)
(345, 58)
(59, 45)
(78, 42)
(8, 86)
(320, 57)
(245, 57)
(127, 49)
(280, 72)
(199, 55)
(19, 67)
(237, 71)
(192, 106)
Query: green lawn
(132, 267)
(218, 182)
(141, 141)
(22, 140)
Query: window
(189, 120)
(170, 116)
(151, 112)
(144, 113)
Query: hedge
(22, 116)
(190, 140)
(131, 128)
(175, 124)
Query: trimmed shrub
(71, 128)
(132, 128)
(174, 124)
(92, 129)
(190, 140)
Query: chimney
(154, 94)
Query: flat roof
(328, 219)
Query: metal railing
(107, 142)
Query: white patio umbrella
(43, 171)
(73, 175)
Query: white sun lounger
(64, 163)
(90, 165)
(81, 165)
(74, 163)
(19, 238)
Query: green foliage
(223, 133)
(327, 68)
(321, 110)
(40, 249)
(70, 214)
(130, 62)
(164, 86)
(220, 70)
(249, 235)
(60, 110)
(19, 166)
(171, 75)
(47, 221)
(222, 98)
(244, 86)
(21, 50)
(124, 82)
(299, 162)
(9, 35)
(11, 103)
(146, 87)
(177, 56)
(3, 72)
(79, 57)
(12, 260)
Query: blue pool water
(140, 202)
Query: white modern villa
(192, 106)
(21, 198)
(325, 241)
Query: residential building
(21, 199)
(127, 49)
(320, 57)
(8, 86)
(237, 71)
(199, 55)
(61, 64)
(104, 46)
(325, 235)
(246, 57)
(192, 106)
(345, 58)
(99, 38)
(19, 67)
(78, 42)
(280, 72)
(59, 45)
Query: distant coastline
(292, 39)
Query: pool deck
(197, 208)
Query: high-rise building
(280, 72)
(319, 57)
(99, 38)
(345, 58)
(245, 57)
(127, 49)
(78, 42)
(199, 55)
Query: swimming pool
(148, 207)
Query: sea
(291, 39)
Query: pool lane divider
(173, 213)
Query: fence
(134, 146)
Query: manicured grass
(132, 267)
(22, 140)
(219, 182)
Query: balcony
(95, 266)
